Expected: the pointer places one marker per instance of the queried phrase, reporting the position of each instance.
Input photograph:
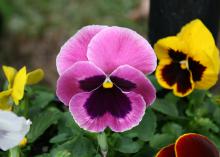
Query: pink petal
(143, 86)
(75, 48)
(81, 117)
(68, 83)
(115, 46)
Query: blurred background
(32, 31)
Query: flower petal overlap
(107, 87)
(188, 60)
(17, 80)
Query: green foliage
(161, 140)
(170, 132)
(126, 145)
(172, 129)
(62, 137)
(167, 105)
(77, 146)
(216, 115)
(147, 127)
(167, 119)
(43, 155)
(63, 154)
(41, 122)
(41, 98)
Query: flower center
(184, 64)
(107, 83)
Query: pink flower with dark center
(102, 77)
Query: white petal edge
(12, 129)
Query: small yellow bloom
(16, 85)
(23, 142)
(188, 60)
(5, 100)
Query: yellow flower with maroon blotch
(16, 84)
(189, 60)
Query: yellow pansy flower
(16, 85)
(188, 60)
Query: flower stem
(14, 152)
(26, 107)
(102, 141)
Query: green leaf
(145, 130)
(63, 153)
(127, 145)
(170, 97)
(204, 124)
(217, 115)
(161, 140)
(173, 129)
(68, 126)
(44, 155)
(197, 97)
(41, 98)
(78, 147)
(59, 138)
(41, 122)
(167, 105)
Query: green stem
(14, 152)
(26, 109)
(102, 141)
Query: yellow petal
(5, 93)
(10, 74)
(201, 44)
(23, 142)
(198, 38)
(5, 102)
(35, 76)
(216, 60)
(164, 45)
(210, 75)
(208, 79)
(4, 105)
(19, 85)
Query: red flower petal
(195, 145)
(167, 151)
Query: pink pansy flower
(102, 77)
